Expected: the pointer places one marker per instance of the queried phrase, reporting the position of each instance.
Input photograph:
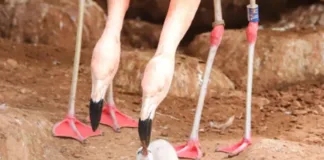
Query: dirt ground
(35, 85)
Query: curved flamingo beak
(145, 121)
(144, 131)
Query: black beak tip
(95, 111)
(144, 131)
(94, 125)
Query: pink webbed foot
(112, 117)
(190, 150)
(72, 128)
(235, 149)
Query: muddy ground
(35, 85)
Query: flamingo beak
(145, 122)
(95, 111)
(144, 131)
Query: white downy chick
(158, 150)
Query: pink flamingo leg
(112, 117)
(251, 33)
(70, 126)
(235, 149)
(104, 65)
(192, 149)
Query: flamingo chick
(158, 150)
(159, 71)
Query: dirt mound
(270, 149)
(187, 77)
(49, 22)
(28, 134)
(280, 57)
(186, 82)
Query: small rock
(282, 109)
(136, 109)
(297, 104)
(201, 130)
(164, 133)
(211, 124)
(262, 129)
(299, 112)
(23, 90)
(293, 120)
(263, 118)
(285, 104)
(314, 139)
(267, 115)
(58, 96)
(13, 63)
(56, 62)
(41, 99)
(314, 112)
(299, 127)
(136, 102)
(76, 155)
(321, 108)
(287, 112)
(164, 127)
(261, 102)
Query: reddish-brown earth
(35, 78)
(35, 83)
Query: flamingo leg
(114, 118)
(104, 65)
(192, 148)
(159, 71)
(70, 126)
(251, 33)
